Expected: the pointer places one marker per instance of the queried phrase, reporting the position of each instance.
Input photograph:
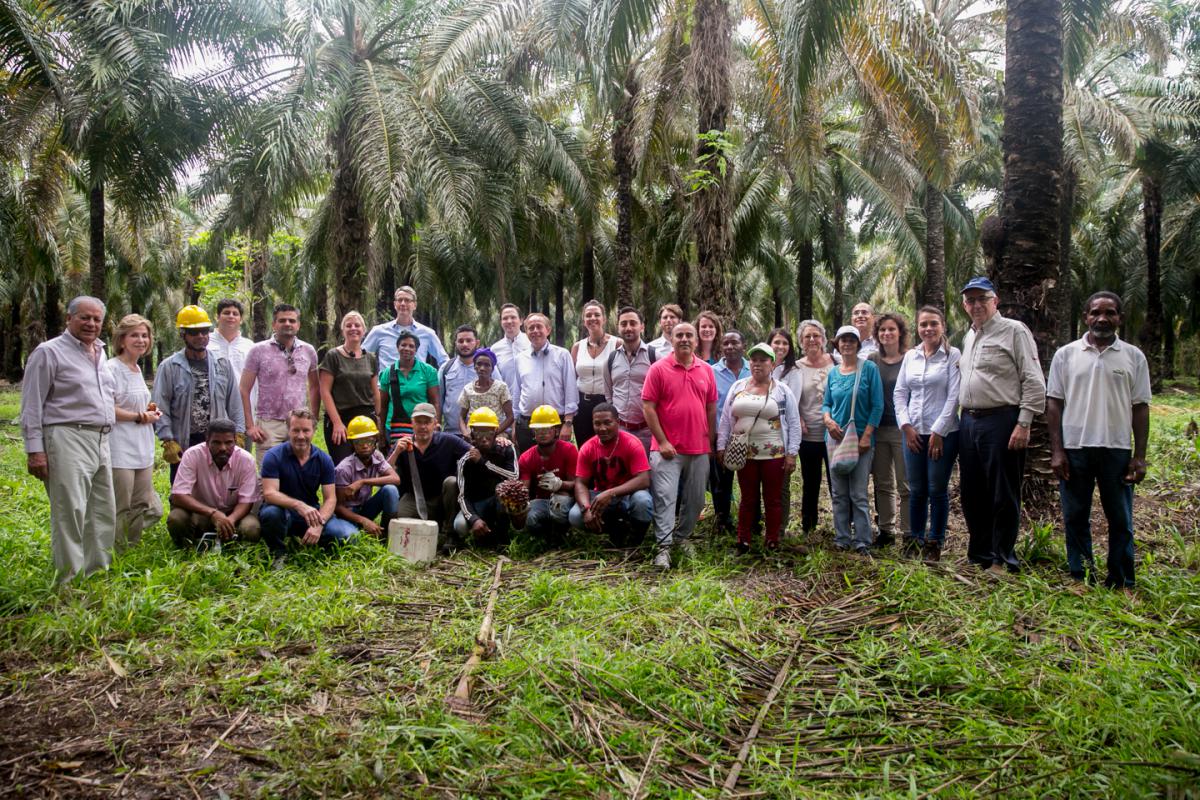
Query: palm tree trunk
(349, 245)
(933, 291)
(1168, 360)
(683, 286)
(53, 311)
(622, 151)
(560, 318)
(805, 263)
(1033, 160)
(777, 303)
(260, 311)
(12, 341)
(648, 311)
(713, 54)
(1064, 298)
(98, 276)
(588, 266)
(1150, 336)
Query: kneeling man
(357, 474)
(216, 485)
(490, 462)
(548, 471)
(612, 482)
(292, 473)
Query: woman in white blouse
(766, 411)
(926, 400)
(590, 356)
(131, 443)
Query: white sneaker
(663, 559)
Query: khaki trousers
(891, 481)
(185, 527)
(277, 433)
(83, 514)
(138, 505)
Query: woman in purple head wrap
(486, 391)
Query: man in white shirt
(1099, 391)
(510, 345)
(455, 374)
(668, 317)
(862, 317)
(381, 340)
(545, 376)
(229, 343)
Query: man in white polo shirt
(1098, 392)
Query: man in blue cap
(1000, 391)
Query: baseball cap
(424, 410)
(847, 330)
(979, 282)
(762, 347)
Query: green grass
(607, 678)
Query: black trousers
(720, 485)
(583, 417)
(814, 462)
(990, 486)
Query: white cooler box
(413, 539)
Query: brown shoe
(931, 552)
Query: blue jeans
(278, 523)
(928, 480)
(386, 501)
(545, 516)
(1104, 467)
(626, 518)
(850, 500)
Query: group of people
(616, 435)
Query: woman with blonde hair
(347, 379)
(131, 443)
(814, 461)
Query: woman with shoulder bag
(758, 436)
(852, 408)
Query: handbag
(737, 449)
(844, 457)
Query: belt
(79, 426)
(633, 426)
(987, 412)
(591, 397)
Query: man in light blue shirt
(728, 370)
(544, 376)
(456, 374)
(510, 345)
(382, 338)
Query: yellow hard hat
(361, 428)
(483, 418)
(192, 317)
(544, 417)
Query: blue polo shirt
(296, 481)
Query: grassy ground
(184, 676)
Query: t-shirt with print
(612, 464)
(561, 463)
(201, 398)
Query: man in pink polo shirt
(680, 402)
(215, 487)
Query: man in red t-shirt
(548, 469)
(680, 401)
(612, 482)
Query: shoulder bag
(844, 457)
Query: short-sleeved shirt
(353, 379)
(609, 465)
(299, 481)
(438, 462)
(279, 389)
(1099, 389)
(131, 444)
(532, 466)
(406, 391)
(351, 469)
(494, 398)
(681, 396)
(223, 489)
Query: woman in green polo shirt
(403, 385)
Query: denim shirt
(173, 396)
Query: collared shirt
(299, 481)
(1099, 389)
(279, 389)
(1000, 367)
(546, 377)
(351, 469)
(926, 393)
(726, 379)
(222, 489)
(381, 340)
(681, 396)
(453, 377)
(623, 383)
(65, 384)
(662, 346)
(506, 351)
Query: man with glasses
(381, 340)
(1001, 390)
(284, 369)
(191, 388)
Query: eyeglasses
(978, 301)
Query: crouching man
(612, 482)
(292, 473)
(356, 475)
(487, 480)
(215, 487)
(548, 472)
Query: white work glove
(550, 482)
